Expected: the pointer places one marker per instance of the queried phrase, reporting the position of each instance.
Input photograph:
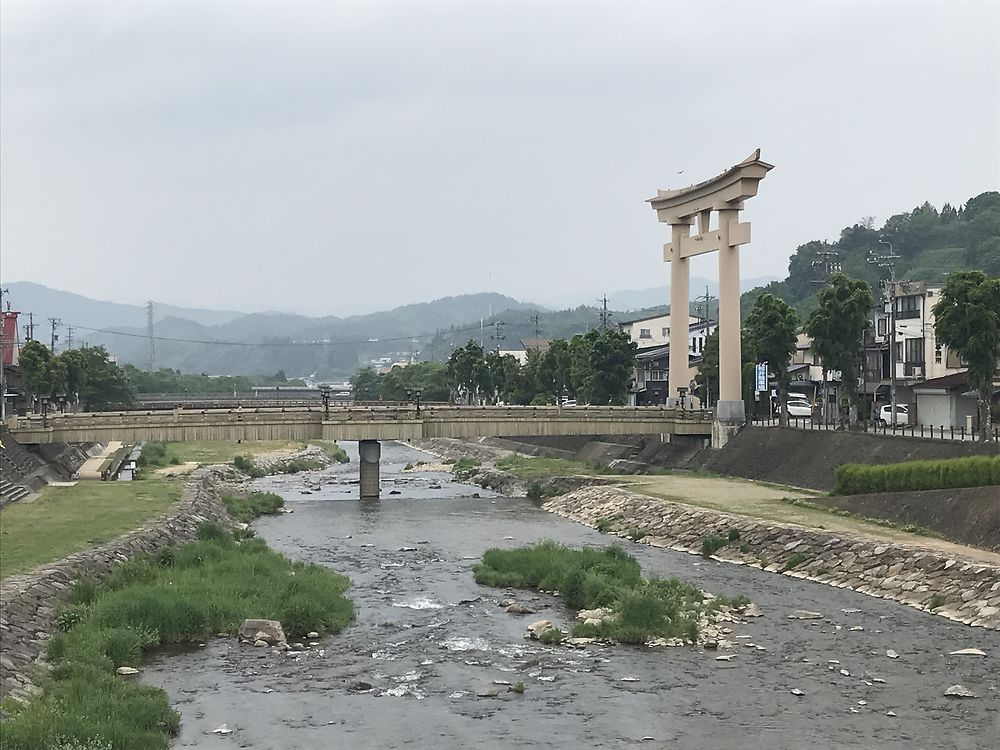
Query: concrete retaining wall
(28, 601)
(960, 589)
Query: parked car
(799, 407)
(902, 414)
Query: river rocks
(959, 589)
(959, 691)
(967, 652)
(892, 654)
(269, 631)
(127, 671)
(488, 692)
(796, 691)
(312, 634)
(803, 614)
(752, 610)
(601, 613)
(519, 609)
(222, 729)
(260, 643)
(536, 629)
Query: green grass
(205, 587)
(333, 450)
(64, 520)
(209, 451)
(539, 467)
(248, 507)
(465, 468)
(912, 476)
(540, 491)
(795, 560)
(591, 578)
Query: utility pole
(497, 336)
(29, 329)
(828, 261)
(888, 261)
(705, 316)
(54, 322)
(69, 337)
(151, 355)
(3, 363)
(536, 320)
(604, 312)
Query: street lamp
(414, 395)
(682, 392)
(324, 393)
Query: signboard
(760, 377)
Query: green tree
(602, 363)
(967, 321)
(44, 375)
(771, 328)
(93, 380)
(837, 327)
(365, 384)
(467, 372)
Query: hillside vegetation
(931, 243)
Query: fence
(935, 432)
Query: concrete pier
(370, 451)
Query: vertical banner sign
(760, 377)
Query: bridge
(368, 425)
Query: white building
(655, 331)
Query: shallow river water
(427, 639)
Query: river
(428, 639)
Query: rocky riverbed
(432, 657)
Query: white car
(902, 414)
(799, 407)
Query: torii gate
(725, 194)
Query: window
(883, 326)
(899, 351)
(914, 351)
(664, 332)
(908, 307)
(644, 333)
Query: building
(650, 383)
(918, 356)
(948, 402)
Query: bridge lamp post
(681, 393)
(324, 393)
(414, 395)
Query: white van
(902, 414)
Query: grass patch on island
(65, 520)
(245, 508)
(159, 454)
(184, 595)
(592, 578)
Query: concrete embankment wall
(963, 590)
(28, 601)
(969, 515)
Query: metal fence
(929, 432)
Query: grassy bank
(65, 520)
(183, 595)
(610, 578)
(245, 508)
(540, 467)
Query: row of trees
(594, 368)
(166, 380)
(84, 376)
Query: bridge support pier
(369, 451)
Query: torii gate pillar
(723, 194)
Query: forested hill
(930, 242)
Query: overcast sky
(331, 158)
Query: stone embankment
(28, 602)
(964, 590)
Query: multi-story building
(908, 306)
(652, 336)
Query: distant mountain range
(640, 299)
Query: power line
(264, 344)
(54, 322)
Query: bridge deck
(358, 423)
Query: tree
(771, 332)
(601, 366)
(93, 380)
(467, 372)
(364, 384)
(967, 321)
(44, 376)
(837, 327)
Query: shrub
(153, 455)
(734, 535)
(795, 561)
(71, 616)
(552, 635)
(605, 524)
(572, 589)
(911, 476)
(711, 544)
(517, 687)
(247, 466)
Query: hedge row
(971, 471)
